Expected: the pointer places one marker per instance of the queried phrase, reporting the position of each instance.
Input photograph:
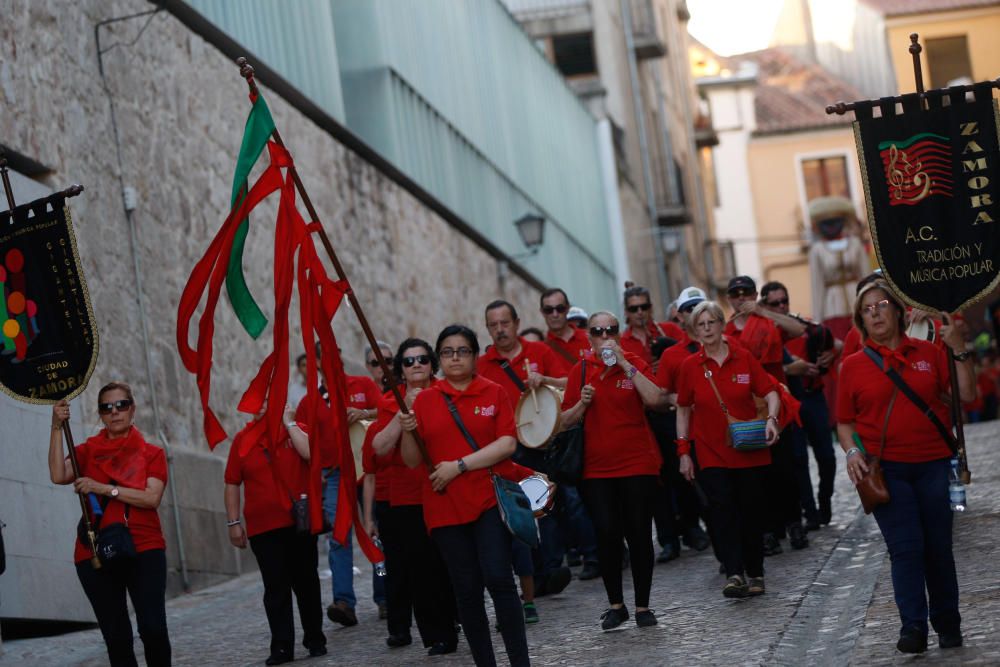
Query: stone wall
(180, 108)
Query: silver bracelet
(850, 452)
(230, 524)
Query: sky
(733, 26)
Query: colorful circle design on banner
(11, 329)
(15, 303)
(14, 261)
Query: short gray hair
(603, 312)
(711, 307)
(383, 346)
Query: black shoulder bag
(514, 506)
(564, 454)
(115, 545)
(907, 391)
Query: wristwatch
(461, 465)
(114, 491)
(630, 373)
(962, 356)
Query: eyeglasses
(707, 324)
(120, 405)
(561, 308)
(639, 306)
(599, 332)
(421, 359)
(779, 302)
(374, 363)
(880, 306)
(741, 292)
(449, 352)
(687, 309)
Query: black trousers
(736, 504)
(288, 562)
(417, 577)
(676, 510)
(478, 556)
(145, 579)
(782, 491)
(622, 508)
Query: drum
(538, 416)
(541, 494)
(922, 330)
(357, 432)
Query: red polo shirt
(377, 466)
(576, 347)
(406, 485)
(487, 413)
(671, 360)
(864, 392)
(538, 355)
(266, 505)
(361, 394)
(739, 378)
(618, 440)
(630, 343)
(762, 338)
(143, 524)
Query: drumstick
(534, 396)
(525, 423)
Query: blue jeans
(478, 555)
(341, 555)
(916, 524)
(816, 433)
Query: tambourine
(922, 330)
(538, 416)
(541, 494)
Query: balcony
(646, 38)
(528, 10)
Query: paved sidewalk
(830, 604)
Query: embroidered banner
(931, 178)
(48, 337)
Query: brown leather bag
(872, 488)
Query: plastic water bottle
(956, 490)
(379, 566)
(608, 357)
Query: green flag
(258, 130)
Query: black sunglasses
(120, 405)
(742, 291)
(561, 308)
(374, 363)
(598, 332)
(779, 302)
(642, 306)
(421, 359)
(687, 309)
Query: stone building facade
(174, 106)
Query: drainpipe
(647, 170)
(612, 202)
(129, 204)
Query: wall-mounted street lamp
(531, 228)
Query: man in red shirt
(762, 332)
(642, 331)
(568, 343)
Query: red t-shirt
(762, 338)
(577, 347)
(630, 343)
(538, 356)
(143, 524)
(376, 466)
(864, 392)
(361, 394)
(406, 485)
(618, 440)
(739, 378)
(486, 411)
(266, 505)
(852, 343)
(671, 360)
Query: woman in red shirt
(732, 480)
(460, 505)
(416, 574)
(621, 462)
(916, 522)
(272, 478)
(130, 474)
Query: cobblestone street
(830, 604)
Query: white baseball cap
(690, 296)
(577, 313)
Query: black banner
(931, 178)
(48, 338)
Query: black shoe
(736, 587)
(912, 641)
(589, 571)
(949, 639)
(825, 512)
(279, 658)
(812, 522)
(573, 558)
(317, 651)
(395, 641)
(772, 547)
(645, 618)
(797, 536)
(696, 539)
(558, 580)
(442, 648)
(612, 618)
(671, 550)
